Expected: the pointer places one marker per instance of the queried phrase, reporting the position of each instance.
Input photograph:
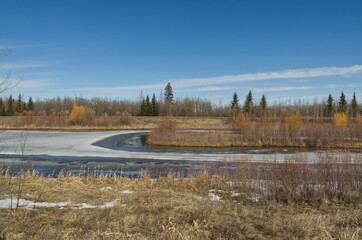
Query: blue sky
(208, 49)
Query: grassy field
(107, 123)
(296, 200)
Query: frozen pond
(123, 151)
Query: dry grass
(296, 200)
(290, 133)
(120, 122)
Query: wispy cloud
(210, 88)
(133, 87)
(229, 79)
(36, 83)
(286, 74)
(22, 65)
(301, 81)
(340, 86)
(277, 89)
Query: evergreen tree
(248, 106)
(19, 106)
(10, 110)
(154, 106)
(143, 107)
(354, 105)
(235, 102)
(263, 104)
(30, 104)
(168, 94)
(148, 109)
(24, 107)
(2, 108)
(329, 111)
(342, 103)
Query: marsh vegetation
(290, 200)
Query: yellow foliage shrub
(241, 122)
(340, 119)
(293, 122)
(78, 114)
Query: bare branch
(7, 82)
(5, 52)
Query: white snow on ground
(106, 188)
(7, 203)
(214, 197)
(30, 205)
(127, 191)
(235, 194)
(79, 144)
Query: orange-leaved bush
(340, 119)
(293, 122)
(77, 115)
(242, 122)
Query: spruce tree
(2, 108)
(342, 104)
(248, 106)
(354, 105)
(168, 94)
(148, 109)
(30, 104)
(10, 110)
(154, 106)
(24, 107)
(143, 107)
(263, 105)
(235, 103)
(19, 106)
(329, 111)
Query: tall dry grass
(88, 120)
(247, 200)
(292, 132)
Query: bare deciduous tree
(6, 81)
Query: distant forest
(169, 106)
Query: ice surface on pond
(79, 144)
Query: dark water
(136, 142)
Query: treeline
(11, 107)
(316, 110)
(167, 105)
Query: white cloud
(228, 79)
(211, 88)
(286, 74)
(21, 65)
(35, 83)
(274, 89)
(302, 81)
(134, 87)
(340, 86)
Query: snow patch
(214, 197)
(127, 191)
(30, 205)
(106, 188)
(27, 204)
